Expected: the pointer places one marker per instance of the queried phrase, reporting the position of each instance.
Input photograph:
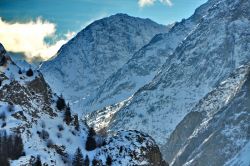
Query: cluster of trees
(61, 105)
(80, 161)
(94, 140)
(11, 147)
(91, 142)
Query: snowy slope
(99, 50)
(216, 131)
(207, 56)
(29, 108)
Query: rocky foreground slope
(44, 129)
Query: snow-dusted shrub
(44, 135)
(59, 135)
(10, 107)
(49, 143)
(43, 124)
(60, 127)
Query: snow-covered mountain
(217, 130)
(99, 50)
(212, 50)
(37, 125)
(145, 63)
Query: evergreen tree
(67, 115)
(18, 144)
(38, 161)
(3, 60)
(95, 162)
(121, 149)
(78, 158)
(20, 71)
(91, 142)
(60, 103)
(29, 73)
(92, 132)
(76, 122)
(86, 161)
(109, 161)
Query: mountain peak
(96, 53)
(120, 15)
(122, 18)
(126, 16)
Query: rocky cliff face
(29, 108)
(217, 130)
(85, 62)
(204, 58)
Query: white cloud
(143, 3)
(168, 2)
(29, 38)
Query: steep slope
(86, 61)
(30, 109)
(217, 130)
(145, 63)
(207, 56)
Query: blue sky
(74, 15)
(71, 15)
